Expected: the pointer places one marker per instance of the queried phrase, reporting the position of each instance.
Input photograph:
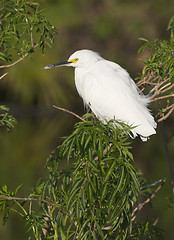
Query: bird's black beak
(64, 63)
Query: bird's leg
(88, 110)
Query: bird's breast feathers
(105, 79)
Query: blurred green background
(112, 28)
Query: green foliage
(160, 61)
(22, 26)
(98, 190)
(145, 231)
(158, 72)
(93, 198)
(5, 205)
(6, 119)
(161, 49)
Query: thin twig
(3, 75)
(151, 83)
(155, 222)
(19, 60)
(166, 109)
(67, 111)
(151, 185)
(31, 39)
(141, 205)
(145, 83)
(162, 97)
(141, 90)
(167, 115)
(159, 84)
(34, 199)
(146, 80)
(163, 87)
(167, 89)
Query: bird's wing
(111, 94)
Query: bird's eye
(74, 60)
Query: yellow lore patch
(73, 60)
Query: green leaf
(87, 141)
(70, 149)
(6, 216)
(109, 172)
(104, 191)
(82, 228)
(100, 149)
(143, 39)
(4, 188)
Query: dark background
(112, 28)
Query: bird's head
(81, 58)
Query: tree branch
(157, 88)
(67, 111)
(171, 107)
(151, 185)
(34, 199)
(160, 91)
(19, 60)
(163, 87)
(3, 75)
(141, 205)
(162, 97)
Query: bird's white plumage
(111, 93)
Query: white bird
(110, 92)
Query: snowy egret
(110, 92)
